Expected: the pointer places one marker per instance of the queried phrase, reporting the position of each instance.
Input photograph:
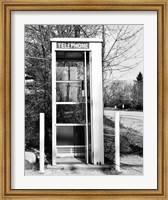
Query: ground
(130, 165)
(131, 145)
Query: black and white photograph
(84, 99)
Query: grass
(131, 138)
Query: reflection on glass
(69, 70)
(71, 113)
(70, 135)
(69, 92)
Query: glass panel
(89, 143)
(70, 55)
(69, 70)
(88, 85)
(79, 135)
(70, 92)
(65, 135)
(71, 113)
(69, 65)
(70, 135)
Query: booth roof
(76, 40)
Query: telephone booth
(77, 100)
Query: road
(130, 119)
(125, 114)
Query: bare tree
(121, 52)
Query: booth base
(68, 163)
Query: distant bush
(31, 133)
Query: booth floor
(72, 167)
(72, 163)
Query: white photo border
(18, 21)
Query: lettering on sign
(72, 45)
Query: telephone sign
(72, 45)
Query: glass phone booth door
(73, 110)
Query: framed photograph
(83, 99)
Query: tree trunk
(77, 31)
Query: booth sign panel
(72, 45)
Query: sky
(130, 75)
